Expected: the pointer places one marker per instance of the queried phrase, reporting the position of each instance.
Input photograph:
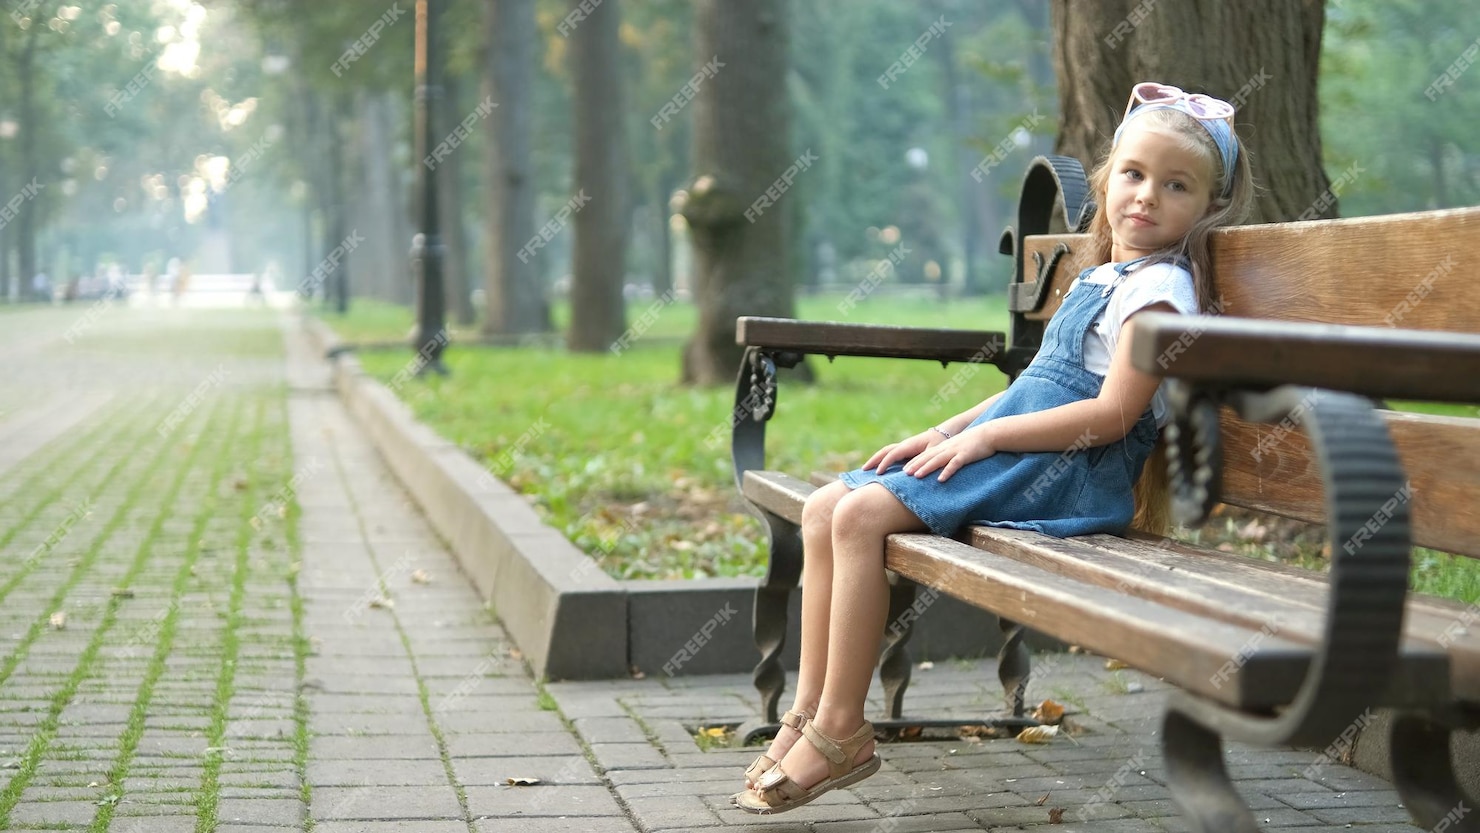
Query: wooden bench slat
(1189, 650)
(780, 494)
(1418, 268)
(1233, 588)
(1441, 456)
(1387, 363)
(829, 338)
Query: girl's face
(1157, 190)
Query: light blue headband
(1218, 128)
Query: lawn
(635, 468)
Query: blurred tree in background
(243, 134)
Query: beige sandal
(777, 793)
(758, 767)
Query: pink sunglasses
(1196, 105)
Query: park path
(182, 653)
(182, 650)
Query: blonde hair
(1152, 489)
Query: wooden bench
(1274, 411)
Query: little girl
(1060, 451)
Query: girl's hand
(966, 447)
(903, 450)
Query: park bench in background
(1273, 411)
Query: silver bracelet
(943, 432)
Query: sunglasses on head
(1197, 105)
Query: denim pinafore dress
(1083, 490)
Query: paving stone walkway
(219, 612)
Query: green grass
(379, 321)
(634, 467)
(618, 456)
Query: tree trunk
(741, 149)
(338, 208)
(457, 287)
(515, 297)
(1262, 55)
(663, 273)
(6, 287)
(25, 232)
(383, 260)
(599, 264)
(958, 97)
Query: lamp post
(426, 246)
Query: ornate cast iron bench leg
(1423, 771)
(755, 403)
(894, 662)
(1199, 781)
(1014, 666)
(771, 619)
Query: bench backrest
(1419, 271)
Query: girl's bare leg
(817, 585)
(860, 604)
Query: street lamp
(426, 246)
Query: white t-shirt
(1143, 286)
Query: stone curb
(571, 620)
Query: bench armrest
(827, 338)
(1377, 362)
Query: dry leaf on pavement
(1037, 734)
(1049, 712)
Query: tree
(601, 226)
(515, 299)
(1263, 55)
(457, 287)
(736, 206)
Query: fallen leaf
(59, 620)
(1056, 815)
(926, 665)
(1049, 712)
(1042, 799)
(715, 731)
(1037, 734)
(911, 732)
(122, 593)
(1114, 665)
(421, 577)
(383, 602)
(521, 782)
